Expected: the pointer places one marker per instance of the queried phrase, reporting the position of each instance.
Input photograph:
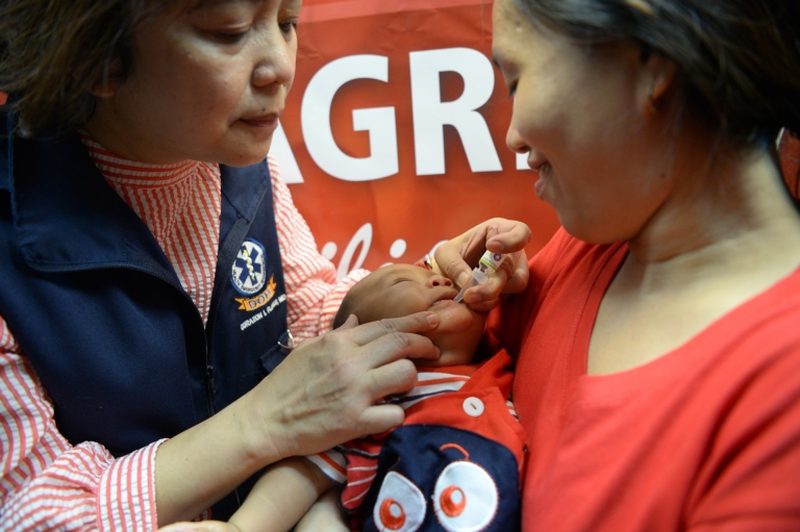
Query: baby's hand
(323, 515)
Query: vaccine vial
(488, 264)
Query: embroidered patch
(248, 272)
(256, 302)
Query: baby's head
(401, 289)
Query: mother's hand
(456, 258)
(329, 389)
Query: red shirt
(705, 437)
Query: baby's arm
(324, 515)
(282, 495)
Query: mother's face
(581, 115)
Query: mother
(658, 339)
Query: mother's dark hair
(53, 53)
(739, 59)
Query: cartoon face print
(466, 484)
(464, 498)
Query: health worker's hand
(330, 389)
(456, 258)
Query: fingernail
(463, 279)
(433, 319)
(497, 246)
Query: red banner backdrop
(394, 133)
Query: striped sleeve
(48, 484)
(312, 290)
(332, 463)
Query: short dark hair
(54, 52)
(739, 59)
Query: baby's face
(401, 289)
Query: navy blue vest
(98, 310)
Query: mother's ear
(657, 79)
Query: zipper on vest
(229, 247)
(208, 337)
(210, 388)
(156, 271)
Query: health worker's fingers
(390, 379)
(398, 345)
(380, 418)
(420, 322)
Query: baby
(455, 461)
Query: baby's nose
(439, 280)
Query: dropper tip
(460, 295)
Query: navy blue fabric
(98, 310)
(416, 453)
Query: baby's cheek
(455, 318)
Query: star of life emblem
(248, 272)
